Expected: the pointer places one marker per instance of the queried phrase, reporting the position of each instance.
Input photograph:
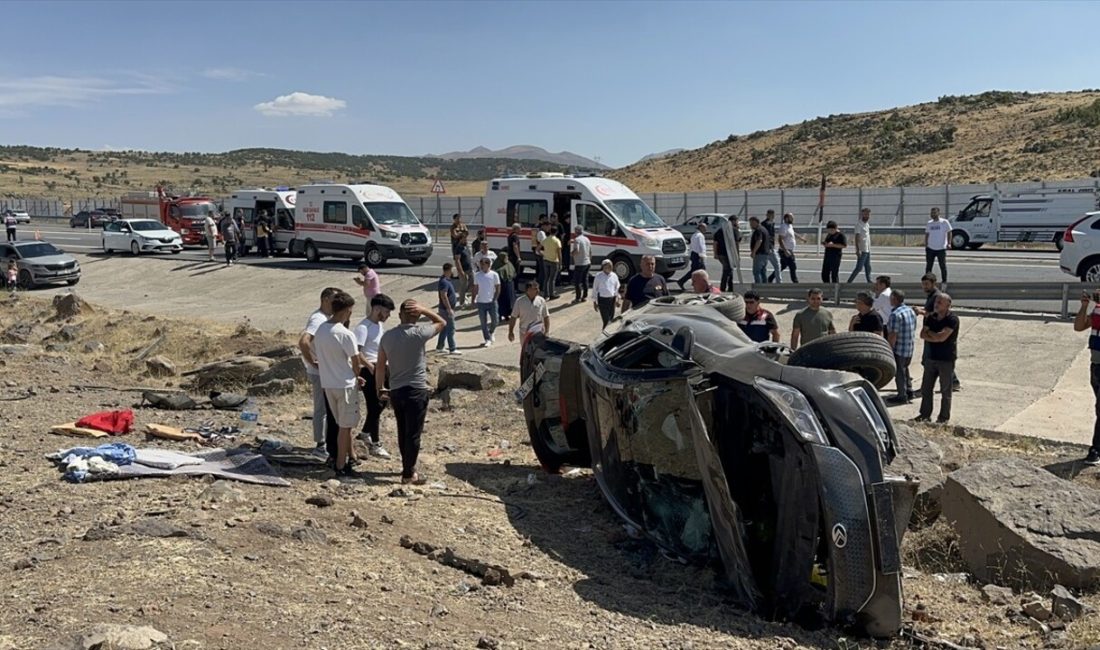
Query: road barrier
(844, 293)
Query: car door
(551, 393)
(110, 236)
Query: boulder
(1065, 605)
(119, 637)
(1021, 526)
(69, 332)
(160, 366)
(282, 352)
(272, 388)
(920, 458)
(20, 333)
(285, 368)
(94, 346)
(469, 375)
(70, 305)
(996, 594)
(232, 372)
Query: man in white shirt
(338, 364)
(605, 292)
(210, 231)
(531, 313)
(882, 302)
(698, 248)
(486, 292)
(863, 251)
(580, 250)
(937, 232)
(786, 237)
(368, 334)
(321, 417)
(483, 252)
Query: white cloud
(49, 90)
(231, 74)
(301, 104)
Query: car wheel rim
(134, 248)
(958, 241)
(374, 258)
(1093, 273)
(622, 269)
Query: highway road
(902, 264)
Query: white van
(369, 222)
(1035, 216)
(277, 203)
(621, 226)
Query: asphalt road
(902, 264)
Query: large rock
(119, 637)
(241, 371)
(160, 366)
(1021, 526)
(282, 352)
(286, 368)
(469, 375)
(920, 458)
(272, 388)
(69, 305)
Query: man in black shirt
(835, 243)
(645, 286)
(760, 248)
(724, 258)
(931, 292)
(514, 252)
(940, 335)
(866, 318)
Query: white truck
(359, 221)
(278, 203)
(1035, 216)
(620, 225)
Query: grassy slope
(995, 136)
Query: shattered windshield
(634, 213)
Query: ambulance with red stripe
(620, 225)
(362, 221)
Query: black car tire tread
(863, 353)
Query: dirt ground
(260, 567)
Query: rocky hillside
(994, 136)
(526, 152)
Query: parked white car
(140, 236)
(21, 216)
(1081, 248)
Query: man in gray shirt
(402, 350)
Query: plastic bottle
(250, 415)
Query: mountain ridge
(524, 152)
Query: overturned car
(768, 463)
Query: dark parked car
(97, 217)
(40, 262)
(745, 456)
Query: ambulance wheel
(419, 261)
(373, 256)
(959, 239)
(622, 266)
(311, 253)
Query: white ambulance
(370, 222)
(277, 203)
(620, 225)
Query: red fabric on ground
(115, 423)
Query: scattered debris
(272, 388)
(490, 574)
(357, 521)
(223, 492)
(487, 643)
(320, 500)
(160, 366)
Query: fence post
(782, 203)
(901, 213)
(860, 199)
(836, 294)
(1065, 300)
(946, 200)
(716, 200)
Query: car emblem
(840, 536)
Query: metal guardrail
(842, 293)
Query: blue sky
(616, 80)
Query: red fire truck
(183, 214)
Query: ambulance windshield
(392, 214)
(634, 213)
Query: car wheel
(959, 239)
(176, 252)
(1090, 270)
(419, 261)
(106, 250)
(72, 283)
(732, 305)
(1058, 242)
(373, 256)
(975, 247)
(863, 353)
(623, 267)
(311, 252)
(25, 280)
(135, 250)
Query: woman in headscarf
(503, 266)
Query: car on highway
(21, 216)
(1080, 254)
(97, 218)
(770, 463)
(714, 221)
(140, 236)
(40, 262)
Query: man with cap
(605, 292)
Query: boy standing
(339, 366)
(368, 334)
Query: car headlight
(389, 234)
(795, 407)
(649, 242)
(867, 406)
(185, 231)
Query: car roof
(28, 242)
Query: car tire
(107, 251)
(730, 305)
(312, 255)
(1089, 270)
(959, 239)
(866, 354)
(622, 266)
(135, 250)
(975, 247)
(25, 281)
(373, 256)
(419, 261)
(176, 252)
(1058, 242)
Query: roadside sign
(438, 187)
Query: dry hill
(994, 136)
